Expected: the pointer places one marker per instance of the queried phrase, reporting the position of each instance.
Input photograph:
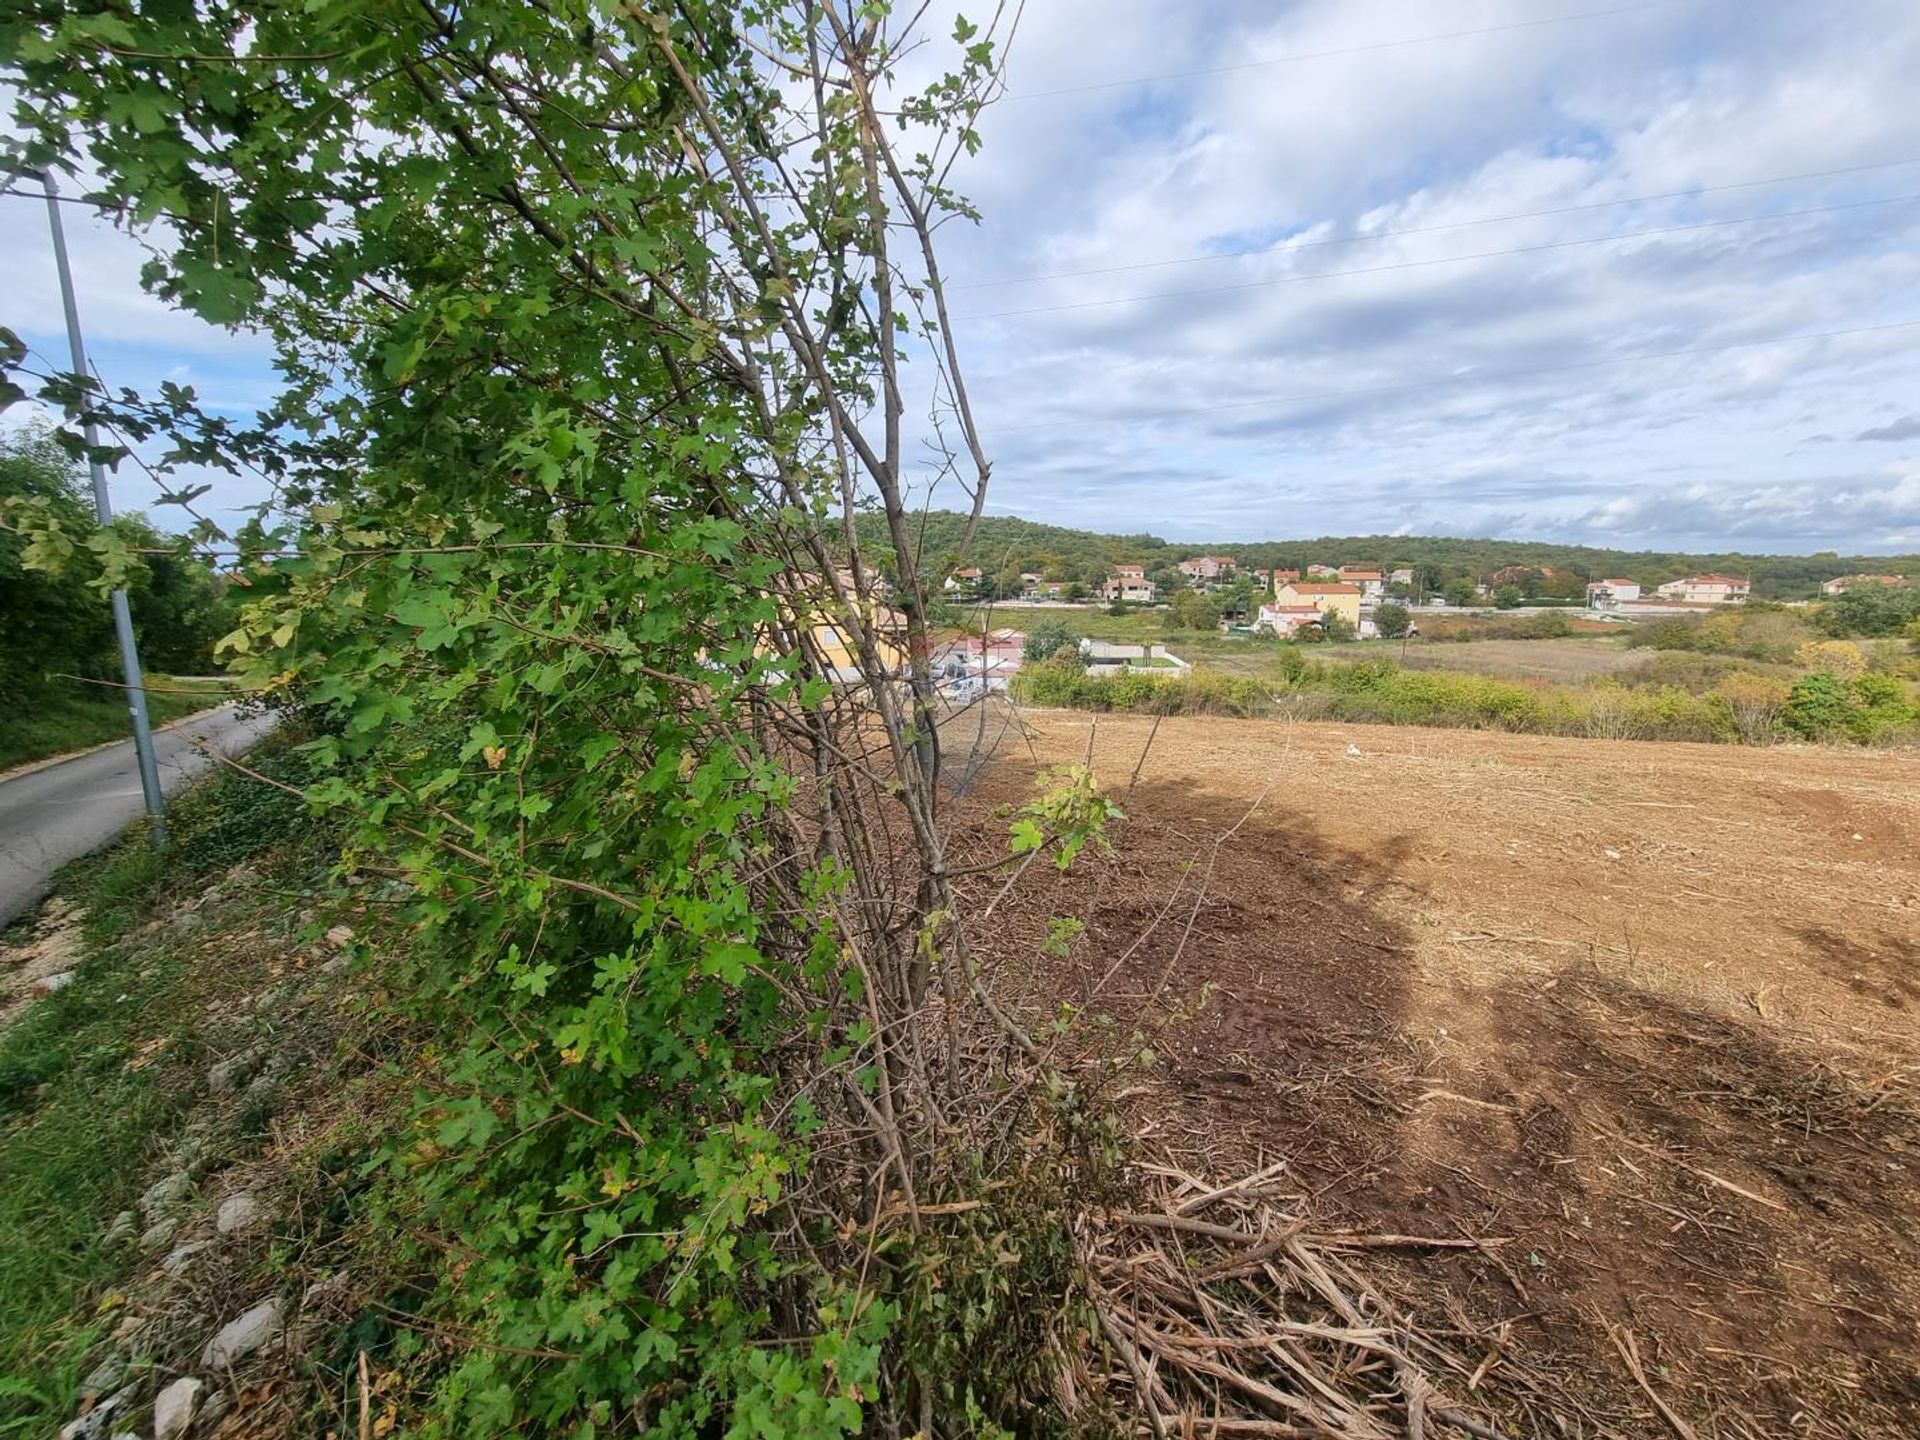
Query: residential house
(1402, 576)
(1370, 580)
(1844, 583)
(1204, 571)
(1706, 589)
(988, 660)
(806, 607)
(1277, 578)
(1605, 594)
(967, 580)
(1130, 583)
(1328, 599)
(1286, 620)
(1323, 572)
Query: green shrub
(1878, 707)
(1047, 639)
(1816, 707)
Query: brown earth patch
(1644, 1012)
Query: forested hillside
(1008, 544)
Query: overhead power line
(1333, 54)
(1440, 260)
(1314, 396)
(1289, 245)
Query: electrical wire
(1311, 397)
(1289, 246)
(1440, 260)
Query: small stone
(1611, 854)
(47, 984)
(215, 1409)
(238, 1213)
(94, 1423)
(340, 936)
(129, 1326)
(174, 1407)
(228, 1074)
(260, 1092)
(104, 1376)
(159, 1235)
(121, 1229)
(161, 1196)
(182, 1256)
(336, 966)
(243, 1335)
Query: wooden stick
(1630, 1353)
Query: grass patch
(94, 1076)
(75, 716)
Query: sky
(1304, 282)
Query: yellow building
(830, 635)
(1328, 599)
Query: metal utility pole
(103, 510)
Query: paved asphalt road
(64, 811)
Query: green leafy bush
(1817, 705)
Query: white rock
(238, 1213)
(173, 1408)
(340, 936)
(182, 1256)
(121, 1229)
(94, 1423)
(161, 1196)
(243, 1335)
(1353, 749)
(335, 966)
(1611, 854)
(47, 984)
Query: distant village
(1335, 601)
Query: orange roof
(1326, 589)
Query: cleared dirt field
(1642, 1020)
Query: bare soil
(1644, 1018)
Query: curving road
(65, 810)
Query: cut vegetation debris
(1617, 1146)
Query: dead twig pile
(1229, 1316)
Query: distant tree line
(1005, 546)
(56, 631)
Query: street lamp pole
(136, 689)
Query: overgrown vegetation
(92, 1075)
(1725, 702)
(606, 342)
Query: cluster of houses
(1612, 594)
(1305, 597)
(1306, 600)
